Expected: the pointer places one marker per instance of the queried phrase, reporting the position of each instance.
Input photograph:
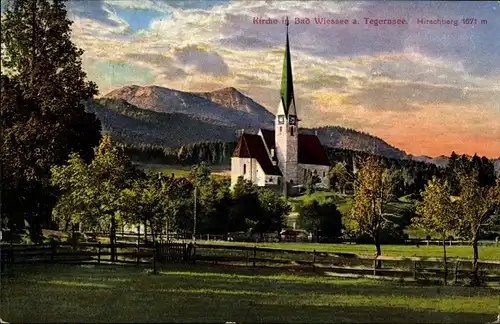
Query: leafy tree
(477, 206)
(310, 218)
(246, 204)
(437, 212)
(311, 180)
(274, 210)
(98, 186)
(339, 178)
(49, 122)
(154, 201)
(323, 220)
(373, 190)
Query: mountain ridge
(169, 117)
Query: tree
(310, 219)
(339, 178)
(49, 122)
(311, 180)
(321, 219)
(274, 210)
(373, 190)
(477, 206)
(246, 204)
(437, 212)
(99, 186)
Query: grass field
(487, 252)
(183, 171)
(83, 294)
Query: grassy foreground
(88, 293)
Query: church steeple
(287, 95)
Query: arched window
(244, 169)
(291, 182)
(291, 130)
(323, 173)
(281, 129)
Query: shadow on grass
(66, 293)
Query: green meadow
(127, 294)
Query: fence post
(254, 254)
(154, 256)
(137, 253)
(53, 250)
(99, 252)
(455, 277)
(314, 261)
(11, 252)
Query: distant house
(281, 157)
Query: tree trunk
(151, 227)
(376, 239)
(445, 263)
(475, 264)
(112, 238)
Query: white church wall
(241, 167)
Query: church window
(279, 181)
(281, 129)
(305, 173)
(291, 181)
(291, 130)
(323, 173)
(244, 169)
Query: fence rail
(250, 256)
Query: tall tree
(477, 207)
(373, 190)
(438, 213)
(45, 68)
(99, 185)
(274, 210)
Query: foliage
(339, 178)
(323, 220)
(436, 212)
(274, 209)
(95, 191)
(311, 180)
(477, 206)
(43, 119)
(373, 190)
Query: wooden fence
(250, 256)
(346, 263)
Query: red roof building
(283, 157)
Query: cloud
(207, 62)
(382, 80)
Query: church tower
(286, 125)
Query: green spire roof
(286, 78)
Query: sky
(426, 89)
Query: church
(280, 158)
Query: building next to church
(281, 157)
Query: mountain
(134, 126)
(442, 161)
(226, 107)
(216, 115)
